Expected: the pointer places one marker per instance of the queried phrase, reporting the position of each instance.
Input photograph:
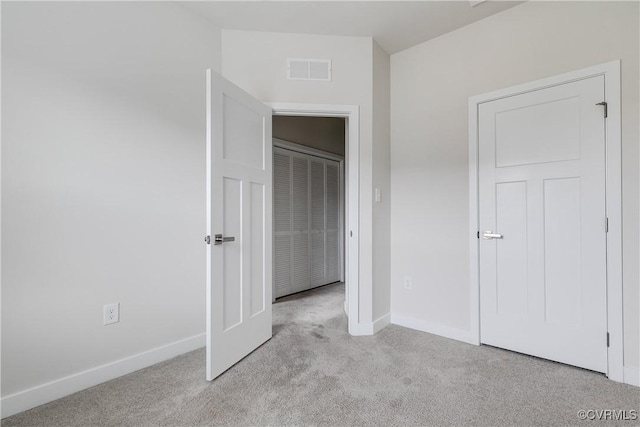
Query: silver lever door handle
(488, 235)
(218, 239)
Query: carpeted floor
(313, 373)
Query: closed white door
(542, 219)
(239, 228)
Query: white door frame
(352, 193)
(611, 73)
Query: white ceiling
(395, 25)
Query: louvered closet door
(307, 216)
(282, 223)
(300, 277)
(332, 241)
(318, 217)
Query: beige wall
(256, 62)
(431, 84)
(103, 182)
(322, 133)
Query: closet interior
(308, 206)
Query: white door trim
(611, 73)
(352, 151)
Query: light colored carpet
(313, 373)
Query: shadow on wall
(322, 133)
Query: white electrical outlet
(111, 313)
(407, 282)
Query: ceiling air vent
(309, 69)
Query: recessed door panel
(511, 256)
(562, 251)
(257, 235)
(538, 133)
(232, 262)
(243, 129)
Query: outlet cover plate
(111, 314)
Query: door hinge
(604, 104)
(606, 225)
(607, 339)
(478, 235)
(207, 240)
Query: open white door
(239, 229)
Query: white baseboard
(56, 389)
(373, 327)
(632, 376)
(381, 322)
(432, 328)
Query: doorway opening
(308, 203)
(325, 162)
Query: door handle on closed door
(489, 235)
(220, 240)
